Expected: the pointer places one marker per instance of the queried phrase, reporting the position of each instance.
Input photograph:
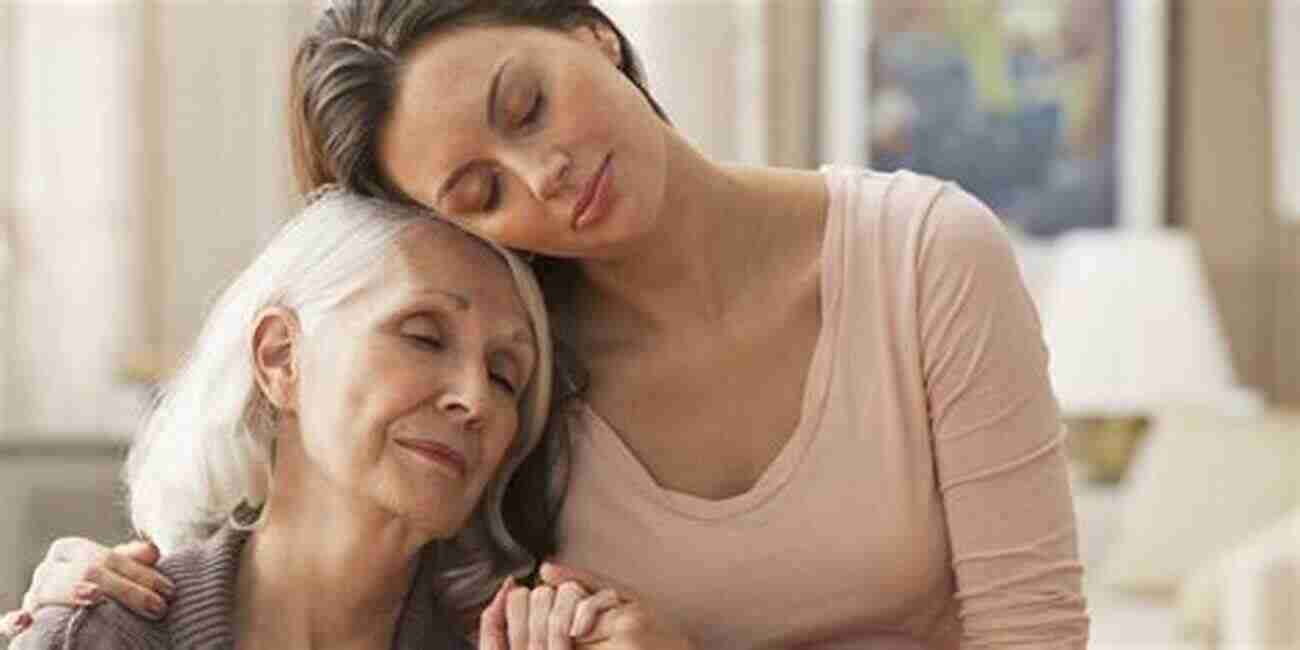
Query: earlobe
(604, 39)
(275, 335)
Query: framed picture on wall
(1050, 111)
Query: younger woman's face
(530, 137)
(408, 393)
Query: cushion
(1248, 595)
(1202, 483)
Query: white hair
(205, 448)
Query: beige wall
(1223, 185)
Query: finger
(560, 624)
(131, 595)
(70, 562)
(140, 550)
(492, 625)
(539, 615)
(517, 617)
(14, 623)
(590, 609)
(85, 594)
(142, 574)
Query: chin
(439, 514)
(438, 524)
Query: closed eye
(494, 193)
(534, 111)
(504, 383)
(425, 341)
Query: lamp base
(1104, 443)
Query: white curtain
(737, 77)
(142, 163)
(1286, 106)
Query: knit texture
(202, 615)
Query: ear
(601, 36)
(275, 337)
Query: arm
(996, 436)
(50, 629)
(98, 627)
(79, 572)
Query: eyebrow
(493, 88)
(459, 301)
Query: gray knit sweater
(201, 616)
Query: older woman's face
(408, 393)
(532, 138)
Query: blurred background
(1144, 154)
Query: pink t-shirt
(922, 502)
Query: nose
(465, 400)
(547, 172)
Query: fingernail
(157, 607)
(86, 591)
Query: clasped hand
(569, 608)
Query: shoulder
(201, 614)
(864, 192)
(107, 626)
(925, 225)
(958, 232)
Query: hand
(79, 572)
(545, 617)
(632, 624)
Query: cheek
(496, 447)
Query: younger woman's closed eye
(534, 112)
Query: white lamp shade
(1130, 324)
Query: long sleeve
(103, 627)
(50, 630)
(997, 436)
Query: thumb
(14, 623)
(492, 625)
(555, 574)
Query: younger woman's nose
(549, 173)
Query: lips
(437, 453)
(595, 190)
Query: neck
(311, 577)
(715, 241)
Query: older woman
(328, 468)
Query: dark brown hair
(347, 70)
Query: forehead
(440, 110)
(457, 64)
(434, 257)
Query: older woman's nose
(465, 400)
